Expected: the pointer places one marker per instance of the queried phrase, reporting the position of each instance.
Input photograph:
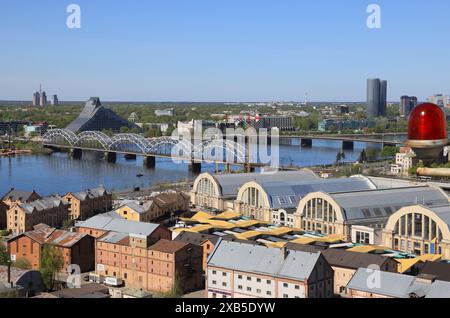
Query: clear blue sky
(223, 50)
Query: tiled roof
(15, 195)
(167, 246)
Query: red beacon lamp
(427, 132)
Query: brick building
(76, 248)
(85, 204)
(22, 217)
(14, 197)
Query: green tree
(22, 263)
(363, 156)
(52, 262)
(4, 256)
(124, 130)
(389, 152)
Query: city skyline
(171, 51)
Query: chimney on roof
(285, 252)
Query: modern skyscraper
(55, 100)
(36, 99)
(43, 100)
(376, 98)
(383, 99)
(407, 104)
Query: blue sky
(223, 50)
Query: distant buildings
(283, 123)
(43, 99)
(338, 125)
(407, 104)
(240, 270)
(440, 100)
(95, 117)
(55, 101)
(376, 98)
(36, 129)
(404, 160)
(165, 112)
(36, 99)
(75, 248)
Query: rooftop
(107, 223)
(167, 246)
(275, 262)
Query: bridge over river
(219, 151)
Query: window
(258, 291)
(214, 282)
(224, 274)
(249, 278)
(268, 293)
(285, 285)
(297, 287)
(224, 284)
(214, 272)
(249, 289)
(285, 296)
(258, 280)
(240, 287)
(269, 282)
(239, 276)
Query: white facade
(283, 218)
(403, 162)
(226, 284)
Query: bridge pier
(150, 162)
(129, 156)
(249, 168)
(195, 167)
(76, 153)
(111, 157)
(306, 143)
(348, 145)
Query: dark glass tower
(373, 97)
(376, 98)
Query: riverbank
(14, 153)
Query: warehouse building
(218, 192)
(338, 213)
(276, 200)
(420, 229)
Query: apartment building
(85, 204)
(76, 248)
(14, 196)
(237, 270)
(22, 217)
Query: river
(59, 174)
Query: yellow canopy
(367, 248)
(220, 224)
(405, 264)
(246, 223)
(278, 231)
(333, 238)
(200, 228)
(430, 257)
(304, 240)
(276, 245)
(228, 215)
(200, 216)
(247, 235)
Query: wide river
(59, 174)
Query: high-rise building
(383, 99)
(407, 104)
(36, 99)
(55, 100)
(440, 100)
(43, 100)
(376, 97)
